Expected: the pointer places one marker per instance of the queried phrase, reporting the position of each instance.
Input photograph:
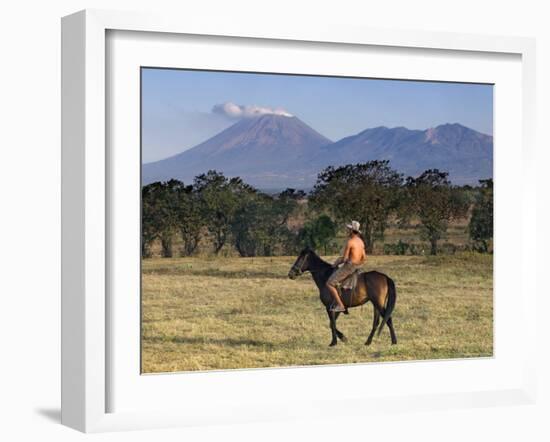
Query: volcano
(270, 151)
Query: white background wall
(30, 214)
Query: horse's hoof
(343, 338)
(368, 342)
(332, 344)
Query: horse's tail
(390, 304)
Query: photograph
(293, 220)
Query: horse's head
(302, 263)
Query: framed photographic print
(251, 214)
(238, 217)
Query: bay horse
(371, 286)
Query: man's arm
(347, 251)
(345, 257)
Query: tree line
(221, 211)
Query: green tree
(368, 193)
(481, 222)
(283, 206)
(432, 198)
(260, 225)
(149, 229)
(220, 199)
(251, 225)
(318, 233)
(168, 213)
(292, 194)
(159, 209)
(189, 219)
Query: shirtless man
(353, 257)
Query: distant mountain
(466, 154)
(275, 152)
(269, 151)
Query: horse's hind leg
(392, 331)
(375, 322)
(379, 305)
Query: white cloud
(233, 110)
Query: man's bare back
(355, 250)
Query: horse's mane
(318, 261)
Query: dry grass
(223, 313)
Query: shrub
(399, 248)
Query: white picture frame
(87, 204)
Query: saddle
(347, 286)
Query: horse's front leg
(332, 318)
(339, 334)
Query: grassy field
(223, 313)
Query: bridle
(296, 269)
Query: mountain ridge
(275, 151)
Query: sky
(182, 108)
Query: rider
(353, 257)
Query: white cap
(354, 225)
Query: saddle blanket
(351, 281)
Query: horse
(371, 286)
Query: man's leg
(337, 277)
(334, 292)
(334, 279)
